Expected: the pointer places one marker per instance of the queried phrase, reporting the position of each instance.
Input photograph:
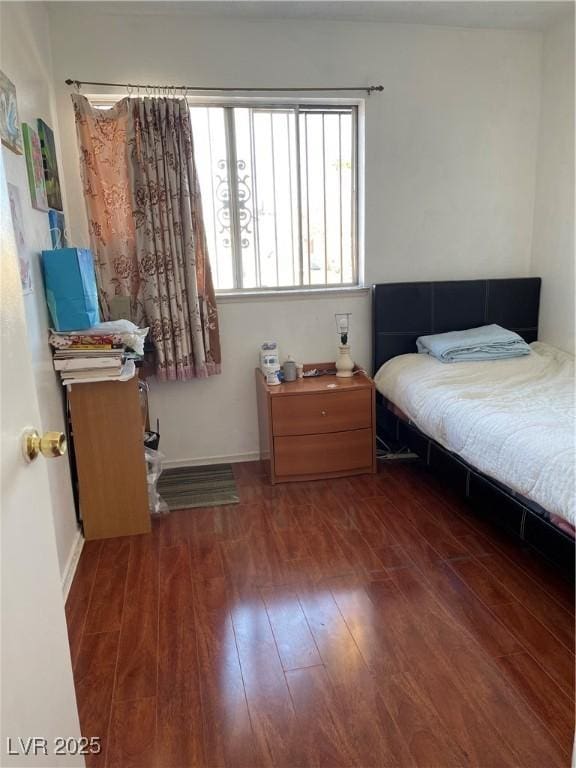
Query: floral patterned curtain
(102, 138)
(155, 247)
(170, 241)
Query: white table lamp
(344, 363)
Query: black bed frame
(402, 312)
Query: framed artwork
(51, 177)
(22, 250)
(57, 229)
(35, 168)
(10, 132)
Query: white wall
(26, 60)
(450, 168)
(216, 417)
(553, 240)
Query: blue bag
(71, 292)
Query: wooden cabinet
(109, 450)
(317, 428)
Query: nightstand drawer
(326, 412)
(302, 455)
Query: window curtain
(155, 247)
(103, 143)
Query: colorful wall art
(35, 168)
(10, 132)
(57, 229)
(51, 177)
(21, 248)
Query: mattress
(513, 419)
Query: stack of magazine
(89, 358)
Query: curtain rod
(369, 89)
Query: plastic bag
(131, 335)
(156, 503)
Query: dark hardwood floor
(371, 621)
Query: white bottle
(269, 362)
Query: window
(279, 194)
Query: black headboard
(403, 311)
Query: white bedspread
(512, 419)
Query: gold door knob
(51, 444)
(323, 413)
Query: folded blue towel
(489, 342)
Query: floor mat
(210, 486)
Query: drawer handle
(323, 413)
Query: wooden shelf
(109, 451)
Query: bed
(501, 431)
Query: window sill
(291, 295)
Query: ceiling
(494, 14)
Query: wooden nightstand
(317, 428)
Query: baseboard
(233, 458)
(72, 564)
